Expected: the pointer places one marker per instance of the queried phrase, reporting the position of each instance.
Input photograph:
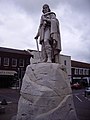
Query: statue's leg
(48, 50)
(43, 53)
(47, 44)
(57, 58)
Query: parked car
(87, 91)
(76, 86)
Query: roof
(80, 64)
(10, 50)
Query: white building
(66, 60)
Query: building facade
(66, 61)
(13, 64)
(80, 72)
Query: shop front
(6, 78)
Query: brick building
(80, 72)
(13, 64)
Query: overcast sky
(19, 21)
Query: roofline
(11, 50)
(80, 62)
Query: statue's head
(46, 8)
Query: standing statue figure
(49, 36)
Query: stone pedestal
(46, 94)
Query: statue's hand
(44, 19)
(36, 37)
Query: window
(76, 71)
(27, 61)
(6, 62)
(64, 62)
(0, 61)
(14, 62)
(80, 71)
(21, 63)
(73, 71)
(87, 71)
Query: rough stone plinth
(46, 94)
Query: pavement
(82, 104)
(11, 96)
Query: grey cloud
(32, 7)
(74, 21)
(81, 6)
(82, 52)
(86, 40)
(82, 56)
(1, 22)
(1, 40)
